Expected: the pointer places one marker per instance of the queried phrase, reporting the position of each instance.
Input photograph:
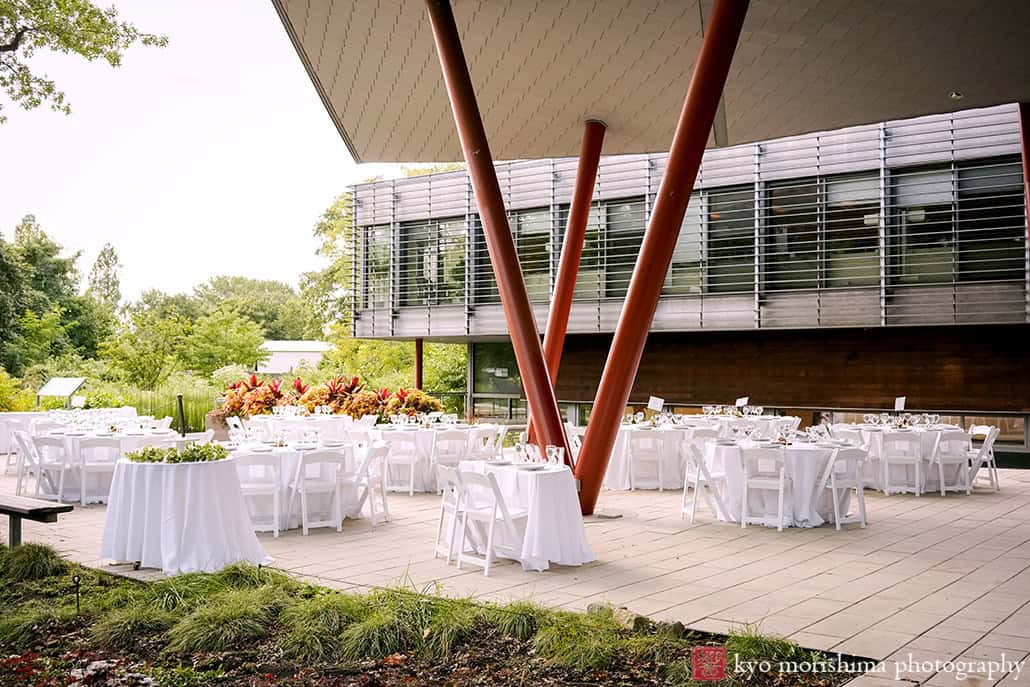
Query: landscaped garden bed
(63, 624)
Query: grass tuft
(124, 628)
(453, 623)
(314, 625)
(749, 643)
(230, 620)
(21, 629)
(381, 633)
(32, 562)
(248, 576)
(519, 620)
(581, 642)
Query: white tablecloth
(188, 517)
(327, 426)
(807, 503)
(425, 472)
(900, 474)
(554, 526)
(646, 474)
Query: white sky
(211, 156)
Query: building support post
(418, 363)
(511, 285)
(1024, 139)
(571, 251)
(645, 287)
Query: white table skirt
(616, 478)
(327, 426)
(807, 503)
(554, 526)
(900, 474)
(425, 472)
(187, 517)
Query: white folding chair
(902, 449)
(199, 437)
(481, 442)
(368, 481)
(483, 502)
(165, 423)
(645, 446)
(575, 435)
(368, 421)
(499, 436)
(327, 466)
(952, 451)
(983, 457)
(702, 481)
(765, 469)
(844, 472)
(234, 423)
(261, 478)
(28, 466)
(52, 457)
(451, 487)
(12, 426)
(404, 453)
(97, 456)
(450, 447)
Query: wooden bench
(17, 508)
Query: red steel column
(645, 287)
(571, 251)
(1024, 135)
(499, 242)
(418, 363)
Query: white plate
(260, 449)
(498, 462)
(304, 447)
(334, 444)
(531, 467)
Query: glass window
(484, 283)
(495, 370)
(790, 237)
(990, 221)
(731, 240)
(921, 247)
(452, 260)
(624, 229)
(377, 266)
(852, 231)
(589, 278)
(532, 242)
(418, 273)
(686, 271)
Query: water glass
(520, 452)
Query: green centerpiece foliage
(192, 453)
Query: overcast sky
(211, 156)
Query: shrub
(452, 624)
(231, 619)
(519, 619)
(314, 625)
(32, 562)
(123, 628)
(22, 627)
(378, 635)
(581, 642)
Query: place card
(656, 404)
(743, 401)
(899, 403)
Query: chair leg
(371, 505)
(860, 493)
(453, 542)
(661, 481)
(489, 545)
(382, 496)
(304, 511)
(632, 477)
(779, 525)
(743, 504)
(693, 501)
(836, 501)
(461, 542)
(940, 475)
(439, 531)
(82, 487)
(275, 512)
(919, 478)
(411, 478)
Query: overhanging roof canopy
(541, 68)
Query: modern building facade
(827, 271)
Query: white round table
(185, 517)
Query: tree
(49, 279)
(87, 323)
(38, 337)
(163, 305)
(330, 291)
(104, 284)
(65, 26)
(273, 305)
(144, 352)
(12, 288)
(221, 338)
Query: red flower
(299, 386)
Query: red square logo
(709, 662)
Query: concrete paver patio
(930, 579)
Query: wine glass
(520, 452)
(639, 417)
(552, 454)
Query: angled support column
(418, 363)
(1024, 140)
(645, 287)
(571, 251)
(511, 285)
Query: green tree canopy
(144, 352)
(48, 277)
(274, 305)
(38, 337)
(65, 26)
(104, 283)
(223, 337)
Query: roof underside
(541, 68)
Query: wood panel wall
(945, 368)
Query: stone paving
(931, 579)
